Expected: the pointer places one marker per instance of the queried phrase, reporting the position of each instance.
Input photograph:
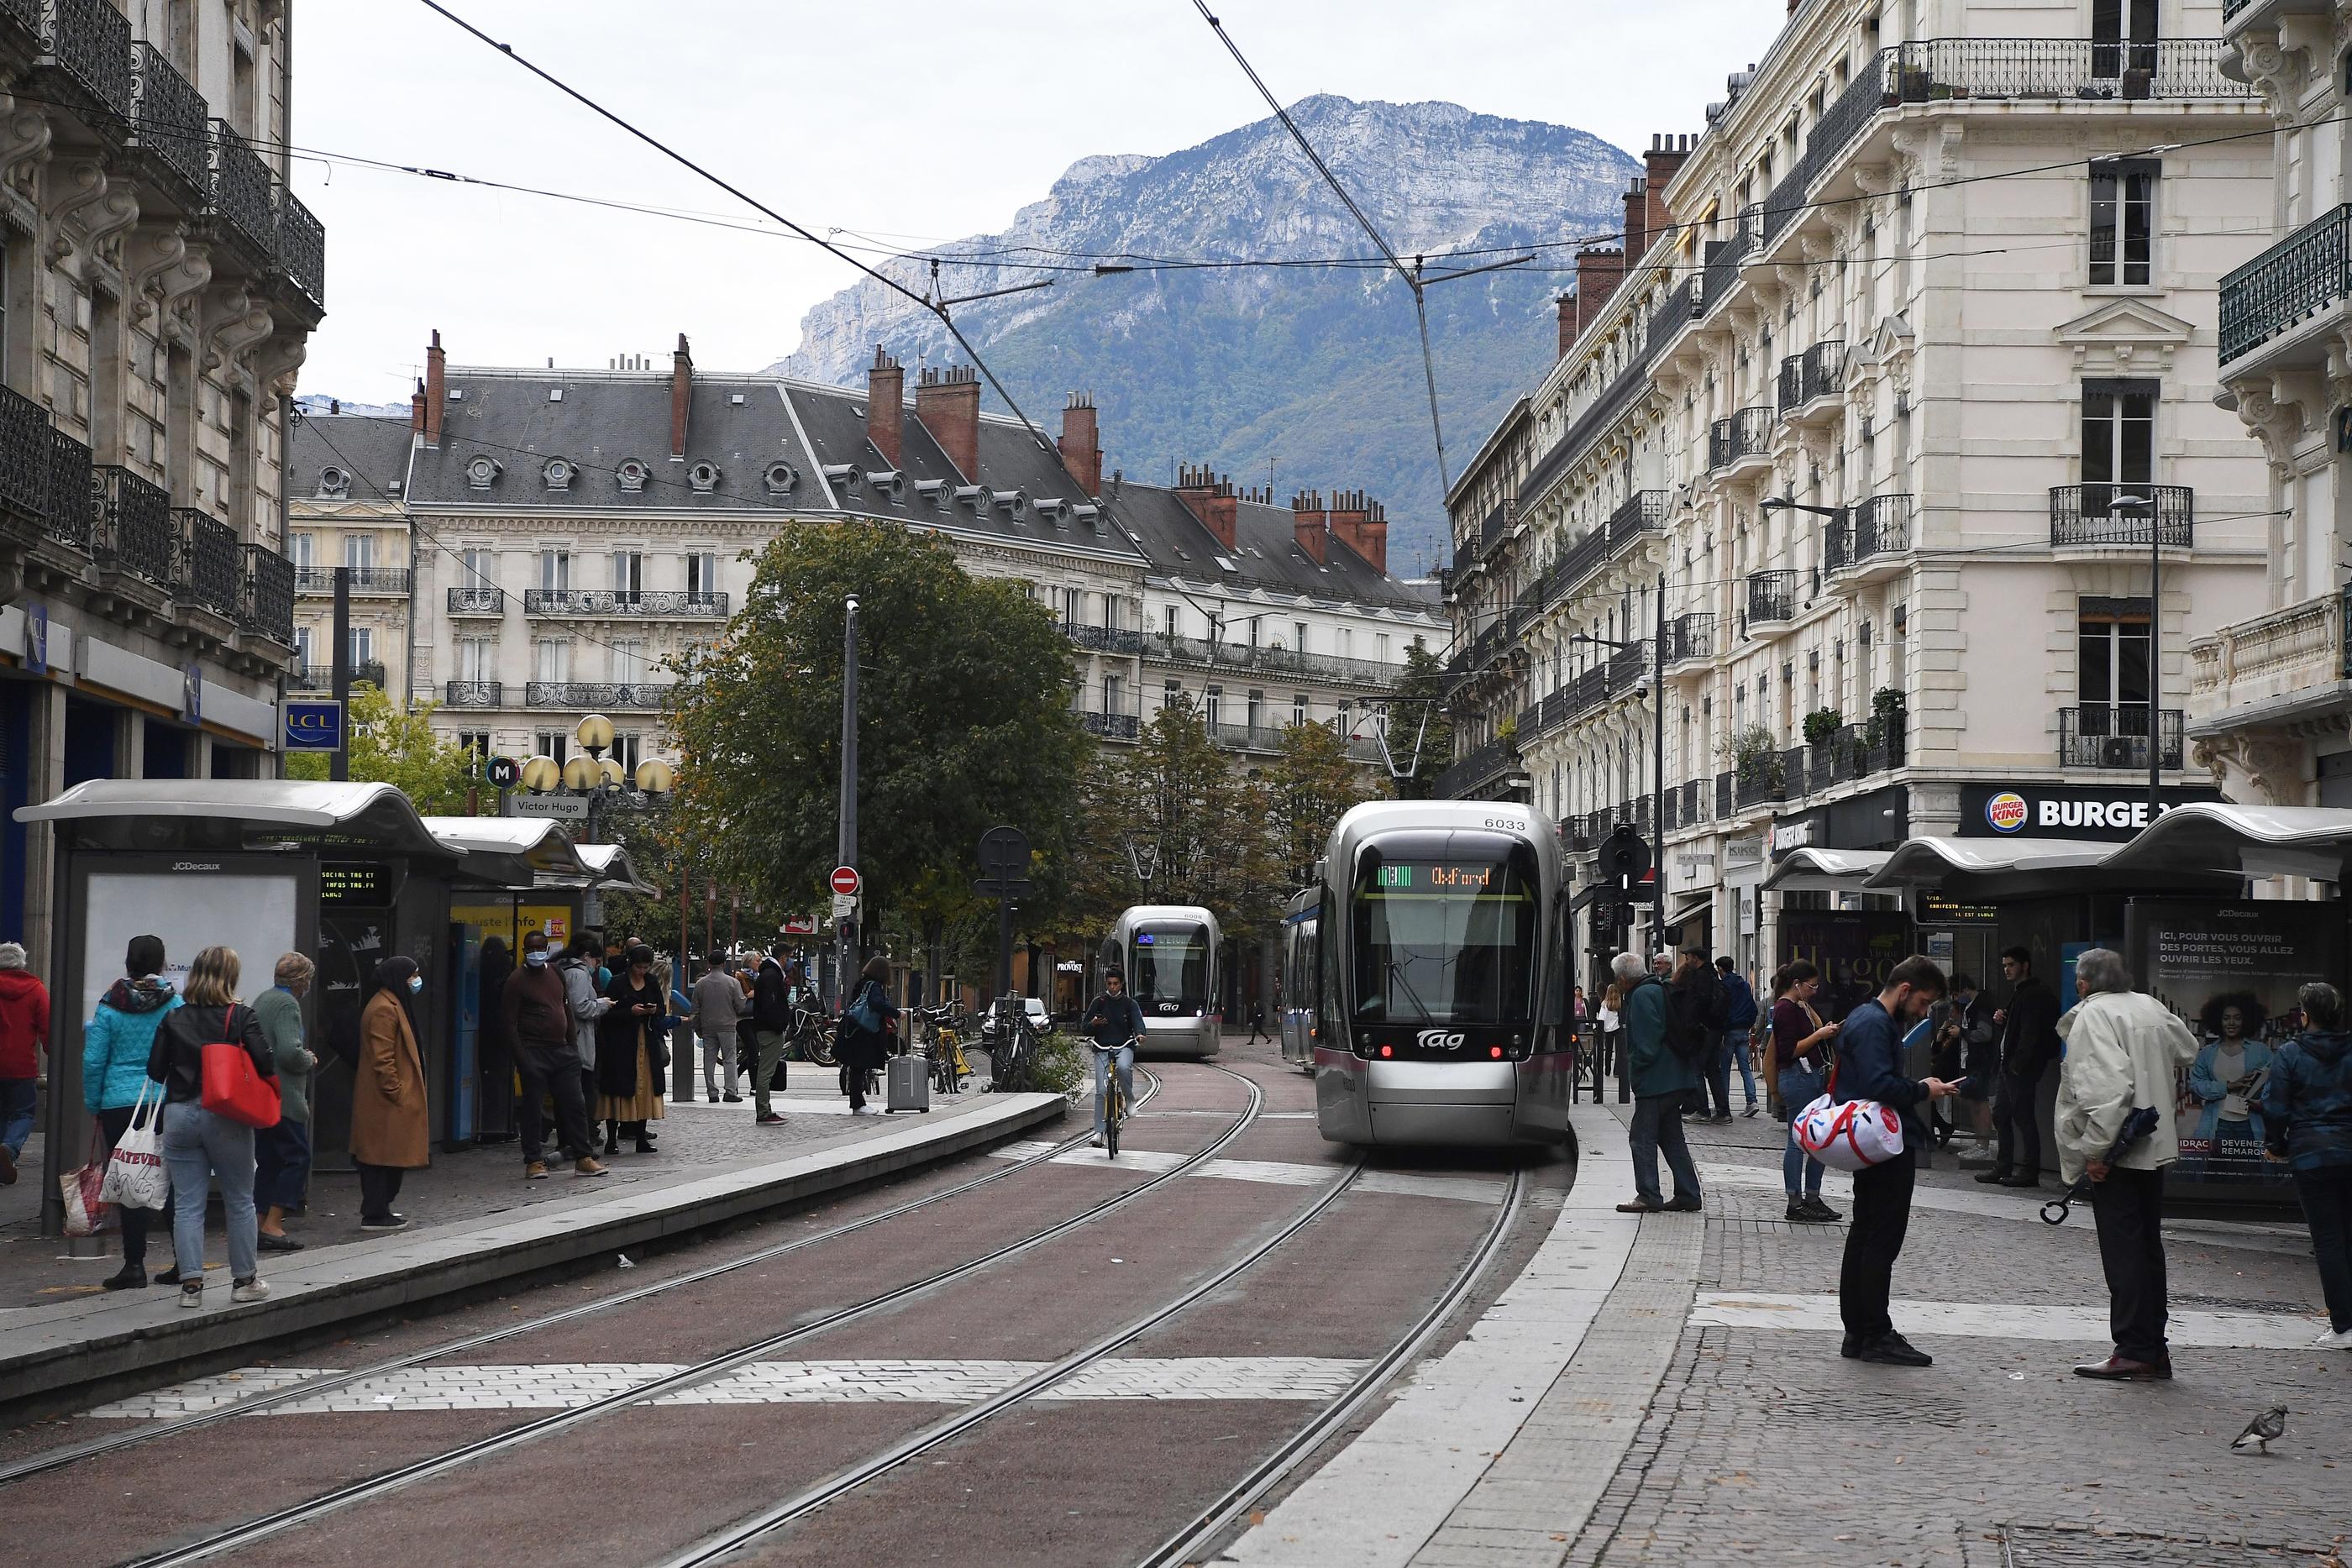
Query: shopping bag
(87, 1213)
(1854, 1137)
(234, 1087)
(135, 1176)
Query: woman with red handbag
(391, 1131)
(220, 1079)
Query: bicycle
(945, 1048)
(1115, 1105)
(812, 1038)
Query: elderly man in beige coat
(2124, 1051)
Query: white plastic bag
(1854, 1137)
(135, 1176)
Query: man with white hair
(1662, 1081)
(2124, 1052)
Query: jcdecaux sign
(2066, 811)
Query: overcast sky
(906, 121)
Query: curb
(50, 1351)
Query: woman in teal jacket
(114, 1047)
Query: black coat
(2029, 1037)
(176, 1058)
(771, 1002)
(620, 1031)
(856, 1048)
(498, 968)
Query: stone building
(157, 282)
(347, 507)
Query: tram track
(249, 1531)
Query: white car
(1035, 1007)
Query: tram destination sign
(2112, 813)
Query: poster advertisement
(1853, 949)
(2231, 971)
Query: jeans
(1125, 1057)
(2020, 1135)
(717, 1049)
(1800, 1087)
(2129, 1209)
(1658, 1124)
(198, 1148)
(1718, 1073)
(115, 1120)
(1874, 1240)
(763, 1070)
(16, 1098)
(281, 1165)
(547, 1074)
(1741, 1054)
(379, 1186)
(2326, 1195)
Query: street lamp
(599, 776)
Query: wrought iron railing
(25, 13)
(2116, 735)
(1824, 370)
(1878, 526)
(1112, 726)
(1723, 792)
(267, 605)
(1271, 661)
(1475, 768)
(135, 529)
(364, 580)
(90, 41)
(632, 694)
(619, 602)
(2299, 276)
(1933, 69)
(1246, 737)
(1106, 639)
(1771, 595)
(237, 188)
(475, 694)
(1744, 434)
(1690, 636)
(302, 246)
(1785, 200)
(1791, 383)
(69, 507)
(1680, 308)
(210, 565)
(2104, 515)
(25, 457)
(477, 600)
(1643, 512)
(168, 115)
(322, 677)
(1722, 266)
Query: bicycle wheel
(1113, 1114)
(820, 1047)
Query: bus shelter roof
(510, 852)
(140, 812)
(2218, 837)
(1988, 870)
(1825, 871)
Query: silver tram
(1296, 1032)
(1168, 953)
(1438, 968)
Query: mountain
(1314, 370)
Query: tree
(1174, 824)
(964, 722)
(391, 743)
(1419, 714)
(1307, 791)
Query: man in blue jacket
(1870, 1061)
(1662, 1079)
(1738, 1024)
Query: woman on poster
(2226, 1082)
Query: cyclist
(1114, 1023)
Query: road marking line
(1277, 1173)
(1995, 1320)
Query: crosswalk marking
(2001, 1319)
(1277, 1173)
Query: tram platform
(473, 1222)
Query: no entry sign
(845, 880)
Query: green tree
(1174, 823)
(391, 743)
(1419, 714)
(964, 722)
(1306, 789)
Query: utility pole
(2155, 660)
(681, 1055)
(846, 928)
(1658, 772)
(339, 768)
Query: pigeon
(2270, 1424)
(626, 1264)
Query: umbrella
(2138, 1125)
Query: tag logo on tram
(1439, 1040)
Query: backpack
(1691, 1015)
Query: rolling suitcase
(909, 1083)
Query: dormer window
(482, 470)
(703, 476)
(633, 474)
(556, 472)
(334, 483)
(780, 478)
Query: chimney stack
(681, 398)
(1211, 497)
(947, 400)
(1666, 154)
(1081, 442)
(1310, 523)
(416, 411)
(1598, 272)
(886, 406)
(1362, 524)
(437, 390)
(1637, 218)
(1565, 303)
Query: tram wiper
(1397, 970)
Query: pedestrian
(861, 1047)
(1610, 1023)
(629, 1057)
(496, 1074)
(773, 995)
(23, 1040)
(1963, 1035)
(2124, 1051)
(2028, 1044)
(1739, 1015)
(1113, 1022)
(2307, 1121)
(1257, 1024)
(1870, 1057)
(115, 1046)
(281, 1154)
(1579, 1005)
(718, 1005)
(1801, 1044)
(584, 997)
(1663, 1080)
(538, 1020)
(1695, 1024)
(391, 1131)
(200, 1146)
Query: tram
(1167, 953)
(1296, 1033)
(1437, 972)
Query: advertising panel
(2067, 810)
(1853, 949)
(2231, 971)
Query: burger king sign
(2006, 812)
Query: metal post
(844, 932)
(681, 1045)
(2154, 662)
(339, 768)
(1003, 946)
(1658, 773)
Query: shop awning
(1689, 907)
(1825, 871)
(610, 869)
(2244, 840)
(372, 816)
(1990, 869)
(510, 852)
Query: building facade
(158, 283)
(1905, 369)
(347, 507)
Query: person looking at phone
(1800, 1048)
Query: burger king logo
(2006, 812)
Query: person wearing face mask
(628, 1053)
(539, 1023)
(391, 1129)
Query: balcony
(1643, 512)
(168, 121)
(25, 430)
(69, 510)
(623, 605)
(586, 695)
(477, 600)
(1476, 771)
(1104, 639)
(135, 532)
(322, 677)
(1679, 309)
(2272, 667)
(89, 43)
(1690, 637)
(1746, 437)
(303, 248)
(1273, 661)
(1761, 780)
(474, 694)
(1771, 596)
(1112, 726)
(2302, 276)
(239, 190)
(266, 604)
(2097, 516)
(2008, 70)
(209, 560)
(1874, 529)
(2115, 734)
(1722, 258)
(1820, 378)
(368, 580)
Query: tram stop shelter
(345, 872)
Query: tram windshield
(1445, 932)
(1171, 965)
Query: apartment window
(1381, 646)
(1346, 643)
(477, 660)
(2122, 40)
(1216, 629)
(1114, 694)
(2111, 653)
(481, 566)
(302, 660)
(553, 743)
(1212, 706)
(2123, 221)
(702, 571)
(2119, 442)
(628, 573)
(1171, 622)
(555, 569)
(1345, 722)
(475, 743)
(363, 644)
(628, 662)
(303, 549)
(359, 551)
(627, 750)
(1172, 694)
(1074, 607)
(1298, 635)
(1298, 708)
(1256, 711)
(1110, 611)
(553, 660)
